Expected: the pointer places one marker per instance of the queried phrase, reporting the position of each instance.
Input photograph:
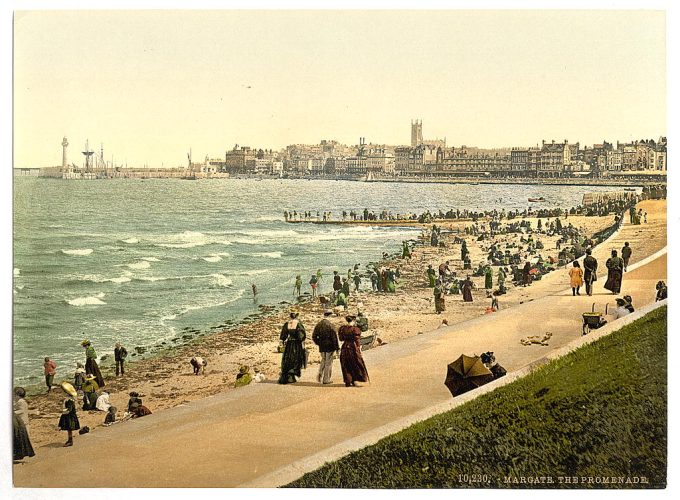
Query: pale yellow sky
(151, 84)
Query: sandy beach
(167, 380)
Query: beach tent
(466, 373)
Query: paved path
(242, 437)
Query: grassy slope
(600, 411)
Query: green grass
(597, 412)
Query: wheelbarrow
(593, 320)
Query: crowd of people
(519, 262)
(87, 386)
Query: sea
(140, 261)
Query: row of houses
(432, 159)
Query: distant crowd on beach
(597, 209)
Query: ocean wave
(119, 279)
(329, 252)
(78, 251)
(131, 241)
(271, 232)
(221, 280)
(269, 218)
(253, 272)
(212, 258)
(187, 239)
(268, 255)
(139, 265)
(88, 301)
(17, 271)
(248, 241)
(95, 278)
(187, 309)
(151, 259)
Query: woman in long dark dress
(293, 360)
(614, 273)
(91, 365)
(467, 290)
(21, 444)
(69, 418)
(351, 361)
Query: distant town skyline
(151, 85)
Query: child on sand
(110, 416)
(199, 364)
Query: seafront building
(644, 159)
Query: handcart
(593, 320)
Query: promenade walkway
(250, 436)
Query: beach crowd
(519, 262)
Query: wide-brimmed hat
(68, 389)
(243, 369)
(85, 342)
(89, 376)
(620, 302)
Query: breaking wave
(143, 264)
(268, 255)
(78, 251)
(88, 301)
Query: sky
(151, 85)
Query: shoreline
(166, 379)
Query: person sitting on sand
(134, 398)
(103, 403)
(259, 376)
(341, 300)
(110, 416)
(139, 410)
(90, 388)
(243, 377)
(198, 364)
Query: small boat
(630, 189)
(536, 200)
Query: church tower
(416, 133)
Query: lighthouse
(64, 145)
